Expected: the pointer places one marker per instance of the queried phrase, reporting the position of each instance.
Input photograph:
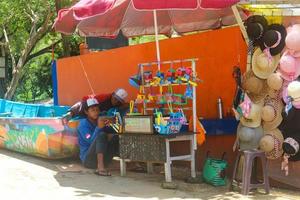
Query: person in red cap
(97, 143)
(117, 99)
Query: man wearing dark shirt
(106, 101)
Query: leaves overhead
(25, 32)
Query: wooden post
(243, 30)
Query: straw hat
(253, 120)
(262, 66)
(275, 81)
(271, 143)
(255, 87)
(292, 40)
(271, 112)
(273, 41)
(249, 137)
(293, 91)
(289, 67)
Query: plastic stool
(249, 156)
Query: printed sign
(138, 124)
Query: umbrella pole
(156, 39)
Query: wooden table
(155, 149)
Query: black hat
(256, 26)
(290, 146)
(274, 39)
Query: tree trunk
(13, 85)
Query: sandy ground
(25, 177)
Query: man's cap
(120, 94)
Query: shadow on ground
(136, 185)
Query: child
(97, 143)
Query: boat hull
(43, 137)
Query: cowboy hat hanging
(262, 65)
(253, 119)
(289, 67)
(255, 87)
(249, 137)
(271, 113)
(256, 26)
(273, 41)
(275, 81)
(271, 143)
(292, 40)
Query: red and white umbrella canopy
(105, 18)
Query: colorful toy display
(165, 80)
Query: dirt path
(25, 177)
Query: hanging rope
(86, 76)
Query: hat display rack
(271, 90)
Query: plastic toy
(188, 92)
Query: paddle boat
(37, 129)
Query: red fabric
(216, 4)
(164, 4)
(106, 18)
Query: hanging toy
(169, 95)
(189, 92)
(161, 77)
(141, 97)
(148, 77)
(170, 76)
(179, 74)
(187, 74)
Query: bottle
(220, 108)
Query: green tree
(27, 35)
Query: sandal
(102, 173)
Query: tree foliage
(27, 35)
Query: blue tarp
(226, 126)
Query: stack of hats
(263, 85)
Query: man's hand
(66, 118)
(101, 122)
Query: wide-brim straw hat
(256, 26)
(253, 120)
(271, 143)
(275, 81)
(255, 87)
(271, 39)
(249, 137)
(271, 112)
(262, 66)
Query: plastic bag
(214, 170)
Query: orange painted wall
(218, 51)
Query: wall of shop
(218, 52)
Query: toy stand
(155, 148)
(192, 63)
